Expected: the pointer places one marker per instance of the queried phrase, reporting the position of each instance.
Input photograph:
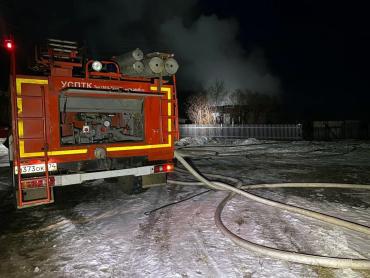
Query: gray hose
(276, 253)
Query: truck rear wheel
(136, 185)
(141, 184)
(131, 184)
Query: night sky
(318, 52)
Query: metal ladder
(175, 125)
(46, 179)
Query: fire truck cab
(78, 120)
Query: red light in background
(9, 44)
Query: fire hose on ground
(316, 260)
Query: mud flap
(34, 194)
(154, 180)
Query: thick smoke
(205, 46)
(209, 51)
(120, 25)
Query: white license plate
(36, 168)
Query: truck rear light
(37, 182)
(163, 168)
(9, 44)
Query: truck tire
(131, 184)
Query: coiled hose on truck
(273, 252)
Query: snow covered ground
(96, 230)
(4, 160)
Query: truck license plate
(36, 168)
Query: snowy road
(96, 230)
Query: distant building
(244, 114)
(230, 114)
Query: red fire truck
(78, 120)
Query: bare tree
(241, 106)
(201, 107)
(217, 93)
(199, 110)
